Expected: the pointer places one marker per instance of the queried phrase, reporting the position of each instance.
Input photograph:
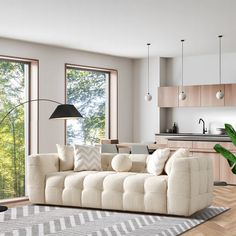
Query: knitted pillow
(66, 157)
(156, 161)
(121, 162)
(181, 152)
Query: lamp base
(220, 183)
(3, 208)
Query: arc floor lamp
(62, 111)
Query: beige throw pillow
(86, 158)
(181, 152)
(156, 161)
(121, 163)
(66, 157)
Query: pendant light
(148, 96)
(220, 94)
(182, 94)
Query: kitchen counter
(201, 145)
(194, 137)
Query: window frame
(32, 93)
(112, 99)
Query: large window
(89, 91)
(13, 131)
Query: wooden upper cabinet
(230, 94)
(168, 96)
(192, 96)
(208, 95)
(197, 95)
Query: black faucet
(204, 130)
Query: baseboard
(14, 200)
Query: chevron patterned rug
(36, 220)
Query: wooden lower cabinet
(225, 172)
(180, 144)
(216, 162)
(221, 168)
(161, 140)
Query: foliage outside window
(88, 91)
(12, 130)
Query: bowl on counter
(220, 131)
(169, 131)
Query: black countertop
(195, 137)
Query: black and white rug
(36, 220)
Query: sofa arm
(37, 167)
(190, 185)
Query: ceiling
(123, 27)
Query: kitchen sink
(200, 134)
(195, 134)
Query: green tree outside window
(87, 90)
(12, 140)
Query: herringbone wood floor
(222, 225)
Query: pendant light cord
(148, 44)
(182, 59)
(220, 37)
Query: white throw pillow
(66, 157)
(121, 162)
(86, 158)
(156, 161)
(181, 152)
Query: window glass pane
(13, 78)
(88, 91)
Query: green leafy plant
(231, 158)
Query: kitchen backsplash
(187, 118)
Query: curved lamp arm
(62, 111)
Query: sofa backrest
(138, 162)
(106, 159)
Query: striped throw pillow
(86, 158)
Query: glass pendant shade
(182, 94)
(220, 94)
(148, 96)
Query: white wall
(201, 69)
(51, 85)
(138, 120)
(145, 114)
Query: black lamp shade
(65, 111)
(3, 208)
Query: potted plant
(231, 158)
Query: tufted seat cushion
(108, 190)
(145, 193)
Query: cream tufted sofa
(187, 189)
